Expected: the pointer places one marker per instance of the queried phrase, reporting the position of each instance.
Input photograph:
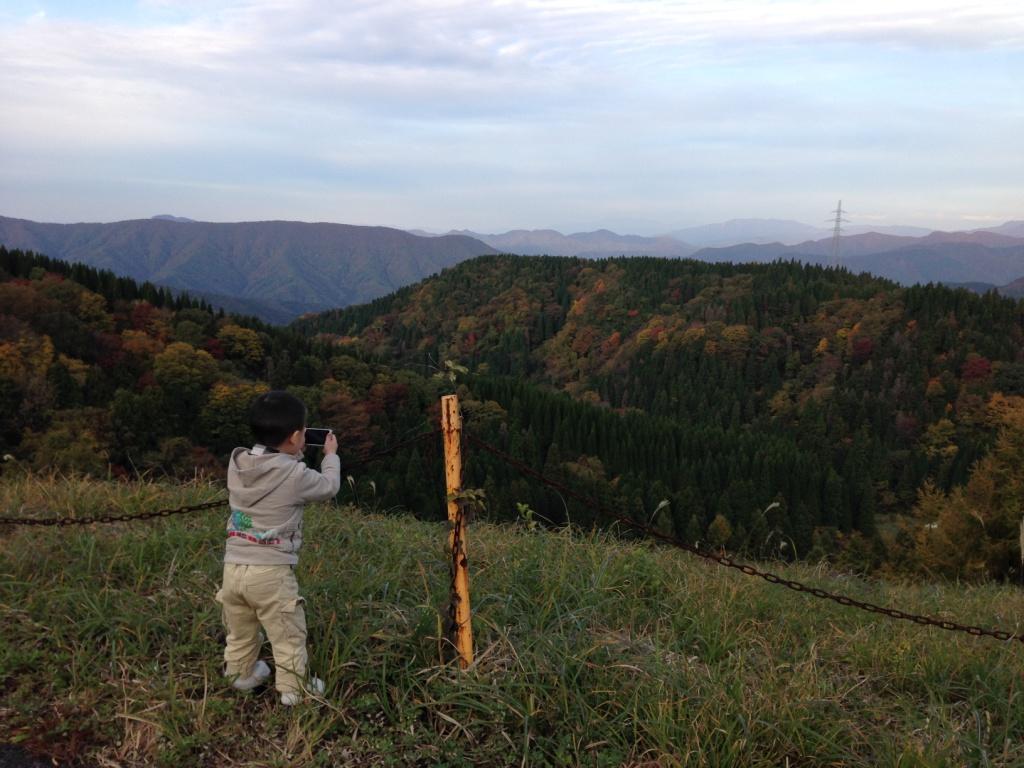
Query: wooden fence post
(451, 427)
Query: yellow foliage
(938, 440)
(92, 308)
(736, 335)
(77, 369)
(719, 532)
(222, 392)
(974, 532)
(241, 344)
(781, 403)
(1006, 410)
(735, 340)
(822, 347)
(26, 358)
(140, 344)
(74, 442)
(947, 537)
(180, 366)
(694, 334)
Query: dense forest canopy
(722, 387)
(780, 409)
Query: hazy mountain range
(279, 270)
(961, 257)
(985, 258)
(763, 231)
(274, 269)
(679, 243)
(686, 242)
(597, 244)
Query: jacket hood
(251, 477)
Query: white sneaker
(314, 686)
(260, 672)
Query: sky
(641, 116)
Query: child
(268, 486)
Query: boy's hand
(331, 444)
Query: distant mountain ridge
(761, 231)
(941, 257)
(597, 244)
(987, 256)
(787, 232)
(275, 269)
(1010, 228)
(279, 270)
(728, 234)
(1014, 290)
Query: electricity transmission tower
(837, 233)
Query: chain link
(729, 562)
(372, 457)
(110, 517)
(720, 559)
(63, 522)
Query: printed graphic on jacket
(241, 527)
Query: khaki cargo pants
(267, 595)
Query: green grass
(591, 651)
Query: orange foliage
(609, 345)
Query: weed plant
(591, 650)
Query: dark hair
(273, 416)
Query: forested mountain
(100, 374)
(769, 406)
(277, 269)
(770, 239)
(720, 387)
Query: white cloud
(578, 92)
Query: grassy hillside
(591, 651)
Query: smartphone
(317, 435)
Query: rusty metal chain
(729, 562)
(385, 452)
(110, 517)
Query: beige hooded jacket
(267, 493)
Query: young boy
(268, 485)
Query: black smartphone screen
(316, 435)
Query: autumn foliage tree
(974, 532)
